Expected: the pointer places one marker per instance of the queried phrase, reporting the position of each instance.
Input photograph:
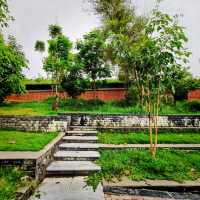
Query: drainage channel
(191, 193)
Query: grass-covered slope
(143, 138)
(24, 141)
(139, 165)
(97, 106)
(10, 180)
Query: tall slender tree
(58, 59)
(91, 53)
(4, 13)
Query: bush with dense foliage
(12, 62)
(193, 106)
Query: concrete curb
(147, 146)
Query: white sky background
(34, 16)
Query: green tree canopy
(91, 53)
(40, 46)
(4, 13)
(12, 62)
(59, 56)
(55, 30)
(74, 82)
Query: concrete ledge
(125, 182)
(147, 146)
(33, 163)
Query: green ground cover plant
(45, 108)
(10, 180)
(143, 138)
(139, 165)
(24, 141)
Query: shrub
(81, 103)
(193, 106)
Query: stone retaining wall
(60, 122)
(129, 121)
(25, 123)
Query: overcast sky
(75, 16)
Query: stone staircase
(76, 153)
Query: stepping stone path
(74, 159)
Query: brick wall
(115, 94)
(194, 94)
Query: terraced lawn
(143, 138)
(24, 141)
(139, 165)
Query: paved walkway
(67, 189)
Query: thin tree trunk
(156, 119)
(150, 123)
(95, 89)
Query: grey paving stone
(72, 168)
(79, 146)
(76, 155)
(81, 132)
(79, 139)
(67, 189)
(78, 128)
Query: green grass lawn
(24, 141)
(44, 108)
(139, 165)
(10, 180)
(143, 138)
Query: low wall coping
(31, 155)
(124, 114)
(150, 183)
(64, 115)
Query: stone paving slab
(81, 131)
(79, 146)
(147, 146)
(72, 168)
(67, 189)
(66, 155)
(80, 138)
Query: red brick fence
(105, 94)
(194, 94)
(110, 94)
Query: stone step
(76, 155)
(80, 139)
(72, 168)
(81, 133)
(84, 128)
(79, 147)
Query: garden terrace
(24, 141)
(139, 165)
(93, 106)
(143, 138)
